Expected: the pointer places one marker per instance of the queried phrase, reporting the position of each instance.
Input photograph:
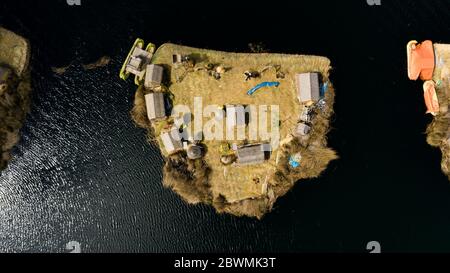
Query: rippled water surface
(83, 172)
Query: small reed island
(15, 90)
(431, 63)
(237, 130)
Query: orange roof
(420, 60)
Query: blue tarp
(323, 89)
(294, 163)
(263, 84)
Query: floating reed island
(237, 130)
(431, 63)
(15, 90)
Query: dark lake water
(83, 172)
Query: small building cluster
(308, 91)
(139, 65)
(173, 142)
(151, 75)
(310, 96)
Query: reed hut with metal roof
(172, 141)
(307, 87)
(154, 103)
(252, 154)
(153, 76)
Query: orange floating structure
(431, 100)
(431, 62)
(421, 60)
(428, 62)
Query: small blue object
(263, 84)
(293, 162)
(323, 89)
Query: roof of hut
(253, 154)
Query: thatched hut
(153, 75)
(194, 152)
(155, 105)
(252, 154)
(308, 87)
(302, 130)
(172, 141)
